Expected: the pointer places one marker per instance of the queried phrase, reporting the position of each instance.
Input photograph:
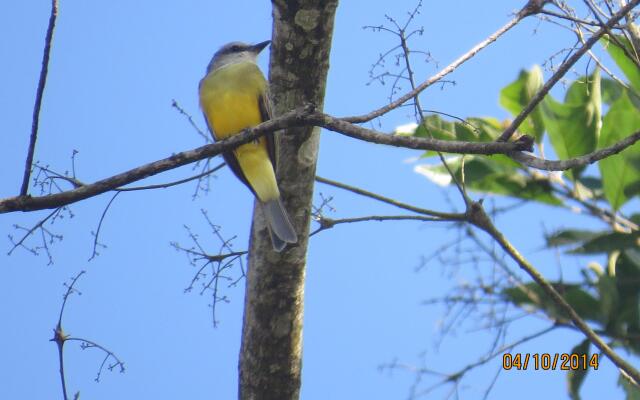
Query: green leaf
(633, 254)
(618, 171)
(436, 127)
(497, 175)
(570, 236)
(582, 302)
(631, 390)
(628, 67)
(608, 242)
(575, 377)
(592, 183)
(518, 94)
(574, 126)
(609, 300)
(628, 285)
(532, 295)
(519, 296)
(612, 90)
(470, 130)
(488, 129)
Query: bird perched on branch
(234, 95)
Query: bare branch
(173, 183)
(29, 203)
(293, 118)
(47, 236)
(343, 126)
(573, 18)
(303, 117)
(328, 223)
(39, 92)
(408, 207)
(60, 338)
(87, 344)
(212, 269)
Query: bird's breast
(229, 98)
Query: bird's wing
(231, 160)
(264, 102)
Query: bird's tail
(280, 227)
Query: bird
(234, 95)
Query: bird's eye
(235, 47)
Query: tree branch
(59, 337)
(343, 126)
(30, 203)
(39, 92)
(562, 165)
(328, 223)
(405, 206)
(479, 218)
(296, 118)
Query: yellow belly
(230, 112)
(229, 99)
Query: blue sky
(114, 72)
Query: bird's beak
(257, 48)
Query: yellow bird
(234, 96)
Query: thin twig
(30, 231)
(456, 376)
(174, 183)
(418, 109)
(96, 234)
(59, 336)
(87, 344)
(328, 223)
(444, 72)
(218, 264)
(174, 104)
(573, 19)
(606, 215)
(405, 206)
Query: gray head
(236, 52)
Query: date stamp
(547, 361)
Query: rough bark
(271, 353)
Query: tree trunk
(271, 353)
